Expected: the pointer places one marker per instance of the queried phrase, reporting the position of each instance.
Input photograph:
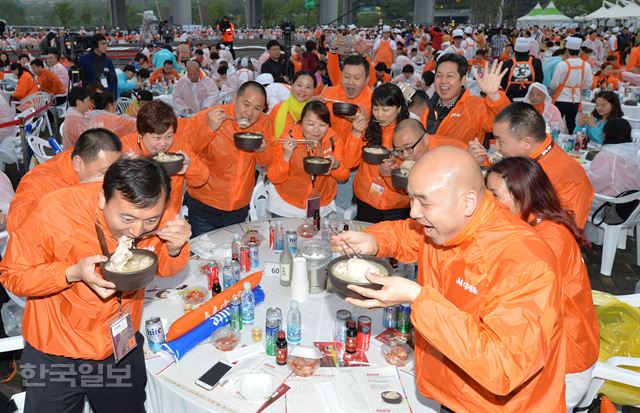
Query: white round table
(174, 390)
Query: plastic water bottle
(278, 244)
(248, 305)
(227, 273)
(294, 324)
(236, 269)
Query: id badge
(313, 204)
(375, 194)
(123, 337)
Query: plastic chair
(611, 369)
(17, 343)
(258, 204)
(13, 344)
(37, 101)
(122, 104)
(38, 146)
(615, 236)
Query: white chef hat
(386, 28)
(573, 43)
(244, 62)
(351, 27)
(615, 30)
(265, 79)
(522, 45)
(458, 33)
(468, 30)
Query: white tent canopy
(622, 10)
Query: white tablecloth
(173, 390)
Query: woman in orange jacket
(522, 186)
(285, 115)
(26, 85)
(376, 197)
(292, 185)
(159, 131)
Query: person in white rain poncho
(195, 91)
(538, 96)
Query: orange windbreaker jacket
(47, 177)
(62, 319)
(294, 184)
(489, 333)
(569, 179)
(471, 117)
(580, 320)
(231, 170)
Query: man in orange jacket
(411, 141)
(353, 88)
(224, 199)
(520, 130)
(453, 112)
(72, 312)
(487, 307)
(88, 161)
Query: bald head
(407, 134)
(446, 186)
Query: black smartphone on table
(209, 379)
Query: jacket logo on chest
(455, 115)
(467, 286)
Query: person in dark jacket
(95, 64)
(522, 71)
(276, 65)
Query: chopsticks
(333, 230)
(102, 240)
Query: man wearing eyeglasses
(411, 141)
(96, 67)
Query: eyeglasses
(407, 151)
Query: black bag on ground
(615, 214)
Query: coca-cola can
(364, 333)
(245, 259)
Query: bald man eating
(411, 141)
(487, 305)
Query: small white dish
(256, 386)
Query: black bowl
(375, 158)
(316, 165)
(399, 179)
(172, 167)
(129, 281)
(344, 109)
(247, 141)
(340, 285)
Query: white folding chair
(37, 101)
(615, 236)
(258, 204)
(13, 344)
(39, 147)
(612, 368)
(122, 104)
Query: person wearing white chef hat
(570, 77)
(523, 70)
(456, 47)
(469, 45)
(384, 48)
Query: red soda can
(245, 259)
(363, 337)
